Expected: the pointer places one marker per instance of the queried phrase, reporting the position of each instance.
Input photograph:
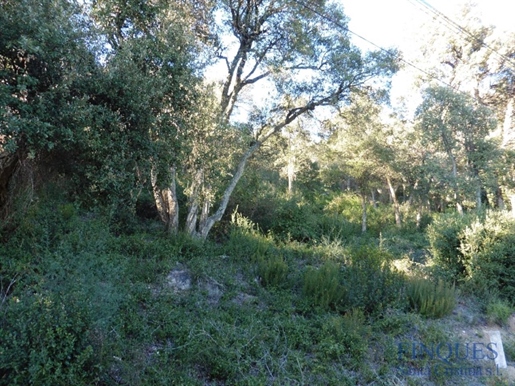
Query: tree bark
(291, 174)
(459, 206)
(364, 214)
(506, 129)
(193, 203)
(478, 198)
(499, 198)
(8, 166)
(396, 207)
(166, 201)
(419, 217)
(512, 201)
(217, 216)
(374, 202)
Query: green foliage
(429, 299)
(246, 241)
(322, 285)
(347, 206)
(44, 57)
(370, 282)
(444, 235)
(295, 220)
(488, 250)
(46, 341)
(272, 270)
(498, 311)
(346, 338)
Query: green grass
(90, 305)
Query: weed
(498, 311)
(272, 271)
(430, 299)
(322, 285)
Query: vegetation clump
(322, 285)
(429, 299)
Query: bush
(429, 299)
(295, 220)
(444, 236)
(45, 342)
(488, 254)
(370, 282)
(345, 338)
(498, 311)
(272, 271)
(350, 208)
(322, 285)
(246, 240)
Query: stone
(179, 280)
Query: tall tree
(45, 62)
(301, 54)
(456, 128)
(358, 149)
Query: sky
(392, 23)
(397, 24)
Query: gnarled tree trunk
(166, 200)
(396, 207)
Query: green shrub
(45, 342)
(444, 236)
(272, 271)
(322, 285)
(498, 311)
(429, 299)
(488, 250)
(349, 206)
(344, 338)
(246, 241)
(370, 282)
(295, 220)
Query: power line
(398, 57)
(461, 29)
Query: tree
(302, 53)
(456, 128)
(152, 83)
(44, 65)
(358, 149)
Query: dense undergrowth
(86, 297)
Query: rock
(243, 298)
(214, 292)
(179, 280)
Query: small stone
(179, 280)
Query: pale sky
(397, 23)
(390, 23)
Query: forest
(224, 192)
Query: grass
(91, 305)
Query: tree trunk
(206, 206)
(396, 207)
(291, 174)
(191, 220)
(8, 166)
(459, 206)
(374, 202)
(499, 198)
(193, 203)
(478, 198)
(364, 215)
(204, 230)
(512, 201)
(419, 217)
(506, 129)
(166, 202)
